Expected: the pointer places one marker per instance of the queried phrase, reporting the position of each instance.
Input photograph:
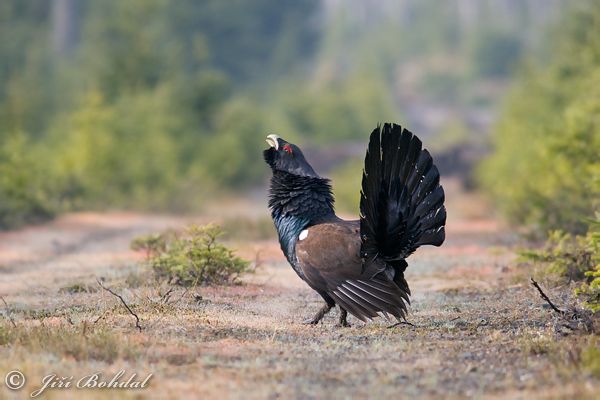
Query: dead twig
(69, 320)
(401, 323)
(137, 319)
(535, 284)
(165, 297)
(8, 312)
(99, 318)
(184, 293)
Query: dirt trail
(80, 246)
(472, 322)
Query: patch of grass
(81, 342)
(573, 354)
(193, 260)
(138, 277)
(78, 287)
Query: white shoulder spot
(303, 234)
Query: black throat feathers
(297, 202)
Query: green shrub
(591, 292)
(193, 260)
(573, 258)
(564, 257)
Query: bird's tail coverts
(402, 201)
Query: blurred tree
(143, 104)
(127, 47)
(544, 168)
(342, 110)
(231, 155)
(26, 70)
(64, 25)
(495, 52)
(258, 40)
(24, 198)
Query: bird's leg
(342, 322)
(318, 316)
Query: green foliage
(139, 112)
(196, 259)
(346, 180)
(575, 353)
(26, 68)
(251, 41)
(23, 198)
(578, 259)
(545, 170)
(133, 42)
(232, 153)
(117, 154)
(564, 256)
(339, 110)
(495, 53)
(591, 292)
(80, 342)
(157, 105)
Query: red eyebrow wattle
(288, 148)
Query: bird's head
(287, 157)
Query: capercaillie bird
(358, 265)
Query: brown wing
(329, 255)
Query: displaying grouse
(358, 265)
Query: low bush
(573, 259)
(591, 292)
(195, 259)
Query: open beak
(273, 141)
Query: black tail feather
(366, 299)
(402, 202)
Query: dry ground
(478, 331)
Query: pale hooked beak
(273, 141)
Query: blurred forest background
(159, 105)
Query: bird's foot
(318, 316)
(311, 321)
(342, 323)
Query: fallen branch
(401, 323)
(165, 297)
(69, 320)
(8, 312)
(137, 319)
(535, 284)
(99, 318)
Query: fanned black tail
(402, 201)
